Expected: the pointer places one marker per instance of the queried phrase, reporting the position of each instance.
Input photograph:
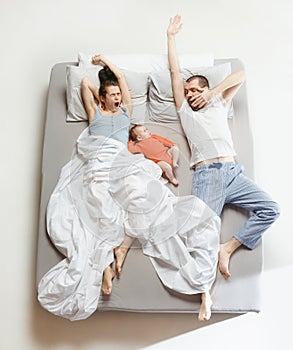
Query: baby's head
(139, 132)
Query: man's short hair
(202, 80)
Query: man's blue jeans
(220, 183)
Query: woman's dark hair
(107, 78)
(202, 80)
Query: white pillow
(74, 76)
(137, 83)
(161, 106)
(149, 63)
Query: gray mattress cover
(139, 289)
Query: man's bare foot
(224, 258)
(107, 280)
(205, 311)
(226, 250)
(120, 255)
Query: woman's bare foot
(120, 255)
(107, 280)
(205, 311)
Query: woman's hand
(175, 25)
(99, 60)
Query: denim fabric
(220, 183)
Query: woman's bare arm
(126, 97)
(88, 93)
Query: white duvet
(105, 192)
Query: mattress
(139, 288)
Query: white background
(35, 35)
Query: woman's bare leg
(121, 252)
(107, 280)
(205, 311)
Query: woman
(109, 118)
(105, 192)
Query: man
(217, 179)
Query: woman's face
(113, 98)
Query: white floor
(271, 329)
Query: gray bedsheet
(139, 289)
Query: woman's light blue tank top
(116, 127)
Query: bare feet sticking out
(121, 252)
(226, 250)
(224, 258)
(107, 280)
(120, 255)
(205, 311)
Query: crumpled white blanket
(105, 192)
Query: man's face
(192, 90)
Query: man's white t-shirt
(207, 130)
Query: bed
(139, 289)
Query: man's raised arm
(174, 27)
